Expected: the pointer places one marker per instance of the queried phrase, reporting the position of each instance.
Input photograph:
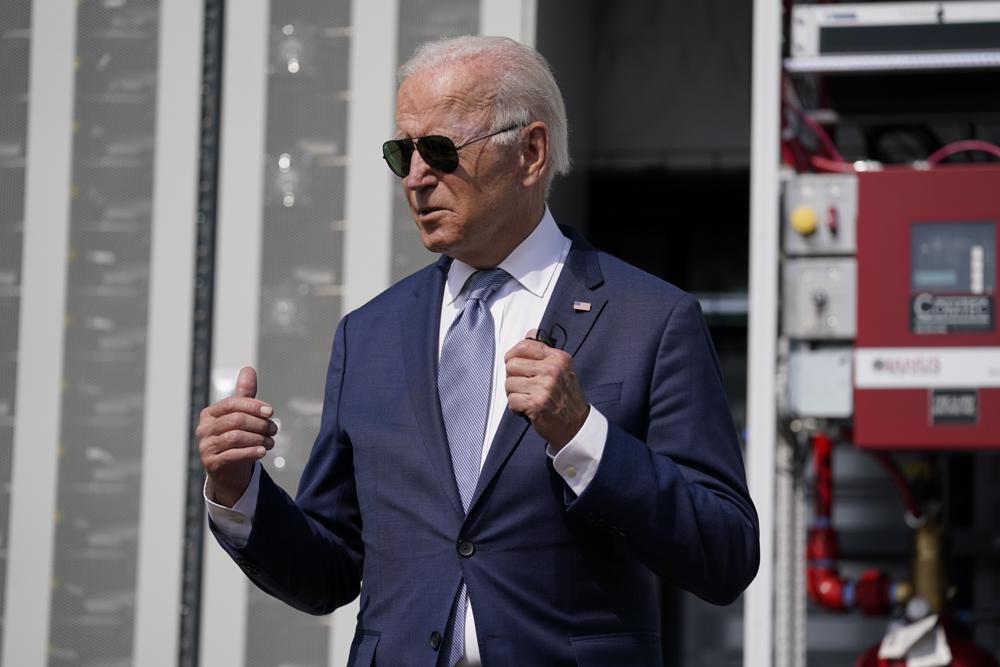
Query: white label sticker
(926, 367)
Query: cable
(823, 136)
(827, 165)
(966, 145)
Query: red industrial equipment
(927, 351)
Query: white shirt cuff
(577, 462)
(235, 523)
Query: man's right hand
(232, 435)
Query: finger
(250, 406)
(520, 404)
(520, 385)
(240, 421)
(218, 462)
(521, 367)
(246, 382)
(217, 444)
(528, 349)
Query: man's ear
(535, 154)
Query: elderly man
(518, 439)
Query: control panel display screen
(953, 277)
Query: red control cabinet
(927, 351)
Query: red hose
(961, 147)
(823, 470)
(827, 165)
(901, 485)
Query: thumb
(246, 383)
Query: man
(517, 440)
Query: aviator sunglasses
(438, 152)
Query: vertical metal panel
(785, 555)
(224, 603)
(370, 185)
(104, 366)
(509, 19)
(168, 353)
(40, 336)
(210, 107)
(758, 628)
(15, 45)
(421, 21)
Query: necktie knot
(483, 284)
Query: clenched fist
(232, 434)
(542, 386)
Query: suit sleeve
(308, 552)
(679, 499)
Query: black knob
(466, 549)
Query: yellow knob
(804, 220)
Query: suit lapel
(420, 324)
(580, 281)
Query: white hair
(526, 91)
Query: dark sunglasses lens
(396, 154)
(439, 153)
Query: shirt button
(239, 518)
(570, 471)
(435, 640)
(466, 549)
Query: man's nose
(421, 174)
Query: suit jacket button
(435, 640)
(466, 549)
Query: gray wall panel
(15, 44)
(101, 424)
(421, 21)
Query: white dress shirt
(517, 307)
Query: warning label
(946, 313)
(954, 406)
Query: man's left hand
(542, 386)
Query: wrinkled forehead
(464, 94)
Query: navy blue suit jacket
(554, 579)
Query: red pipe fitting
(871, 593)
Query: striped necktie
(465, 377)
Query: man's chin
(435, 243)
(435, 238)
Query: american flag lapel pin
(581, 306)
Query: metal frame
(894, 62)
(201, 334)
(758, 615)
(168, 350)
(236, 298)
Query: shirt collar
(532, 263)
